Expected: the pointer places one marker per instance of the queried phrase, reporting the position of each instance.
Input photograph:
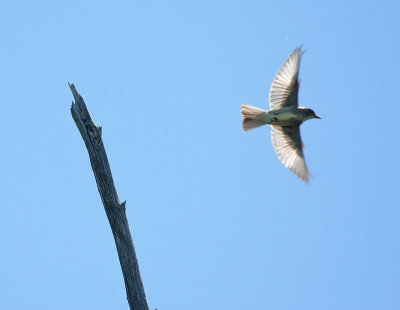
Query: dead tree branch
(115, 210)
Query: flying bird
(285, 116)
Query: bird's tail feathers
(253, 117)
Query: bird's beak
(316, 116)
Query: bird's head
(311, 114)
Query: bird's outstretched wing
(285, 86)
(287, 143)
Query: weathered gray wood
(115, 210)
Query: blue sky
(218, 222)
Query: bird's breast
(285, 117)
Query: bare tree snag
(115, 210)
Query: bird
(285, 116)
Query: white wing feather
(285, 85)
(288, 147)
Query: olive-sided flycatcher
(285, 116)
